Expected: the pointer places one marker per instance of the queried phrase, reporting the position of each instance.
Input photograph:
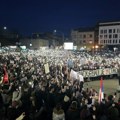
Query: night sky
(29, 16)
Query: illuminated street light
(96, 46)
(90, 42)
(4, 28)
(55, 31)
(30, 45)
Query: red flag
(5, 77)
(101, 91)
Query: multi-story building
(39, 40)
(83, 37)
(109, 33)
(53, 38)
(34, 43)
(8, 37)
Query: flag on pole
(5, 77)
(101, 91)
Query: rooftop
(109, 23)
(85, 29)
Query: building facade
(34, 43)
(83, 37)
(109, 33)
(8, 37)
(54, 40)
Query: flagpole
(101, 91)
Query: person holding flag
(5, 76)
(101, 91)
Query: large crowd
(36, 92)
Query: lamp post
(31, 43)
(4, 27)
(55, 31)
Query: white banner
(46, 68)
(98, 72)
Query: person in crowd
(34, 94)
(113, 112)
(73, 112)
(58, 113)
(85, 113)
(66, 103)
(93, 112)
(1, 107)
(118, 106)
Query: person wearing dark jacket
(113, 112)
(66, 103)
(73, 112)
(1, 107)
(85, 113)
(26, 103)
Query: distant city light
(96, 46)
(4, 28)
(55, 31)
(90, 42)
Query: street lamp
(55, 31)
(4, 27)
(96, 46)
(30, 45)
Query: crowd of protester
(32, 94)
